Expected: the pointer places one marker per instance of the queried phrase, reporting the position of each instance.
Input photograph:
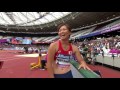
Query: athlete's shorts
(66, 75)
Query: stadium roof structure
(46, 22)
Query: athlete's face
(64, 33)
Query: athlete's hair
(64, 24)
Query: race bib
(62, 63)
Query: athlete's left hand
(84, 66)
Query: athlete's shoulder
(54, 44)
(74, 47)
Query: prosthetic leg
(36, 65)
